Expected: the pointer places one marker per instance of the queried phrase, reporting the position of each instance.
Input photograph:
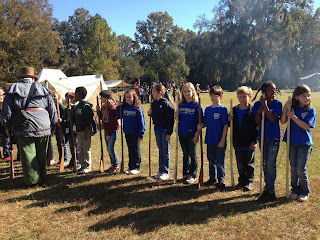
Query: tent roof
(51, 75)
(117, 83)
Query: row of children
(246, 131)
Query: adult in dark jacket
(32, 137)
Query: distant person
(33, 133)
(302, 118)
(134, 127)
(83, 118)
(273, 110)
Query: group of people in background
(191, 118)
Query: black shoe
(267, 197)
(210, 182)
(248, 187)
(221, 185)
(238, 186)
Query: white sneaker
(128, 171)
(303, 198)
(52, 162)
(158, 175)
(135, 171)
(293, 196)
(164, 176)
(191, 180)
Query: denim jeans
(134, 151)
(110, 147)
(72, 149)
(164, 151)
(216, 157)
(65, 147)
(245, 165)
(299, 155)
(7, 147)
(270, 152)
(190, 160)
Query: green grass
(102, 206)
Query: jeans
(7, 147)
(216, 157)
(65, 147)
(72, 149)
(164, 151)
(134, 151)
(245, 165)
(190, 160)
(270, 152)
(110, 147)
(299, 155)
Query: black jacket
(246, 134)
(163, 114)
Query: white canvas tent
(51, 75)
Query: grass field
(102, 206)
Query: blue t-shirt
(240, 113)
(215, 120)
(271, 129)
(297, 134)
(189, 118)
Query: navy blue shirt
(189, 118)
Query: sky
(122, 15)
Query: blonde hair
(194, 93)
(244, 90)
(136, 100)
(59, 96)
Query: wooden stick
(231, 145)
(150, 129)
(200, 184)
(175, 176)
(288, 154)
(261, 150)
(101, 142)
(72, 137)
(48, 151)
(11, 164)
(61, 139)
(121, 127)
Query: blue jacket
(133, 120)
(41, 121)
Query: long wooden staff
(261, 150)
(201, 144)
(121, 129)
(101, 143)
(61, 139)
(150, 129)
(11, 163)
(72, 137)
(175, 176)
(288, 154)
(231, 145)
(49, 151)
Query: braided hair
(264, 87)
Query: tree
(26, 37)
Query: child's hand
(288, 104)
(263, 101)
(168, 137)
(176, 115)
(150, 112)
(140, 139)
(199, 127)
(108, 138)
(290, 113)
(221, 144)
(253, 146)
(230, 118)
(195, 139)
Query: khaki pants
(33, 153)
(84, 150)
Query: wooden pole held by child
(261, 149)
(201, 144)
(72, 136)
(231, 145)
(61, 139)
(150, 140)
(175, 176)
(101, 142)
(11, 164)
(121, 129)
(288, 155)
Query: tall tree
(26, 36)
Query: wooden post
(150, 129)
(200, 184)
(288, 154)
(101, 142)
(231, 145)
(61, 139)
(261, 149)
(121, 129)
(175, 176)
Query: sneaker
(164, 176)
(135, 171)
(191, 179)
(210, 182)
(158, 175)
(52, 162)
(248, 187)
(267, 197)
(303, 198)
(293, 196)
(113, 169)
(83, 171)
(184, 179)
(128, 171)
(238, 186)
(221, 184)
(7, 159)
(66, 163)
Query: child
(83, 118)
(216, 121)
(188, 116)
(62, 108)
(273, 110)
(244, 138)
(134, 127)
(4, 135)
(162, 113)
(111, 127)
(303, 117)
